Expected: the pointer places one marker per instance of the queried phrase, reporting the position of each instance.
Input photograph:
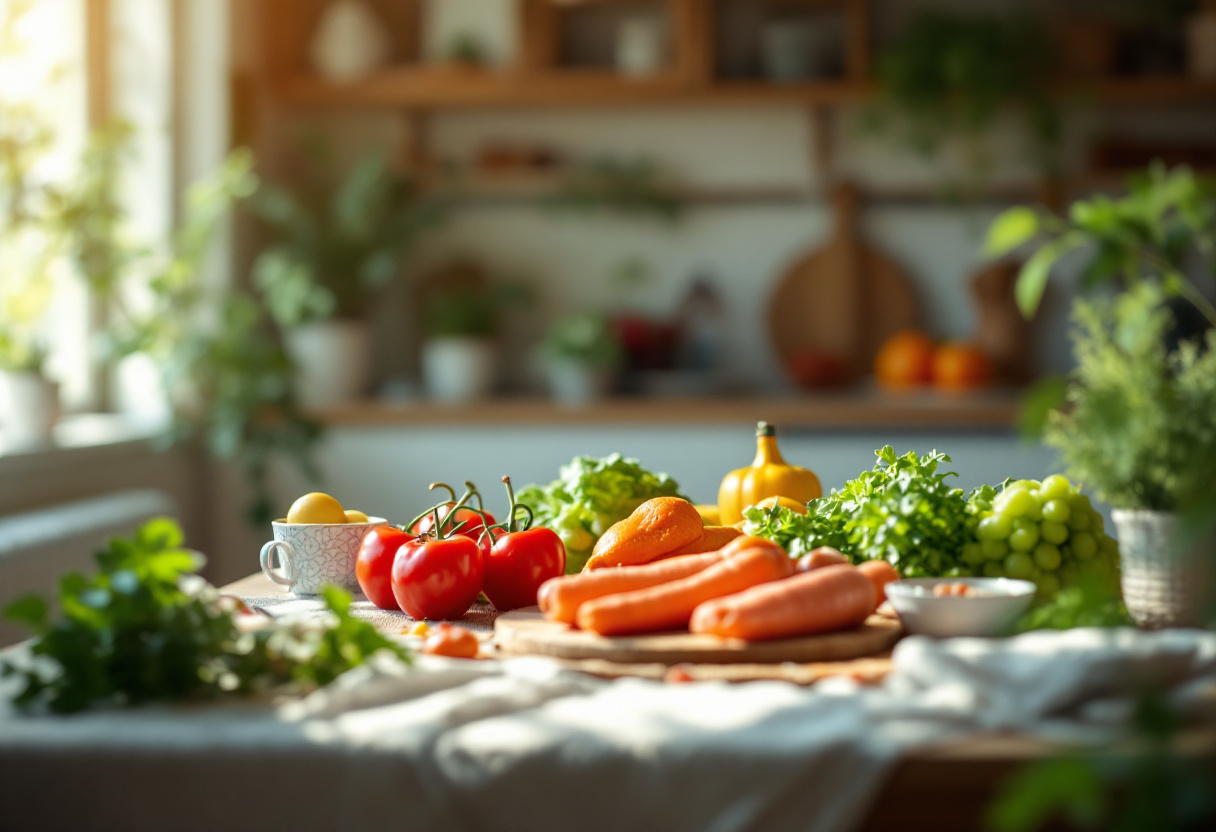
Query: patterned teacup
(312, 555)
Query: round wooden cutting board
(527, 631)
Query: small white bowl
(946, 616)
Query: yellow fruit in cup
(355, 516)
(316, 508)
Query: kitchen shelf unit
(537, 79)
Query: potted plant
(1137, 416)
(336, 248)
(948, 76)
(582, 355)
(30, 244)
(458, 355)
(29, 401)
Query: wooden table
(944, 789)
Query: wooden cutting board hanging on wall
(844, 299)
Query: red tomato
(456, 642)
(374, 567)
(519, 563)
(473, 526)
(437, 579)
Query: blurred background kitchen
(251, 249)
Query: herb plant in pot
(336, 248)
(458, 356)
(30, 244)
(582, 355)
(29, 401)
(1138, 418)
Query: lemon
(355, 516)
(316, 508)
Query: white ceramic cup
(312, 555)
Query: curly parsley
(146, 628)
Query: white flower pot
(331, 361)
(1164, 584)
(29, 408)
(458, 370)
(576, 384)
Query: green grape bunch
(1046, 532)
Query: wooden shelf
(449, 87)
(454, 88)
(989, 410)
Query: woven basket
(1163, 586)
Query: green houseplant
(952, 76)
(1137, 418)
(30, 244)
(461, 316)
(337, 243)
(583, 354)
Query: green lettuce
(590, 495)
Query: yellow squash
(768, 476)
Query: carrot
(880, 573)
(744, 542)
(827, 599)
(560, 598)
(669, 606)
(819, 558)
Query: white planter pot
(1164, 585)
(458, 370)
(331, 360)
(29, 408)
(575, 384)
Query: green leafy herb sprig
(902, 511)
(145, 628)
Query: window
(70, 66)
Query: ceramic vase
(331, 361)
(350, 42)
(29, 408)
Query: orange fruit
(905, 361)
(961, 366)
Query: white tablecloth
(522, 744)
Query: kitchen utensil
(528, 631)
(312, 555)
(945, 616)
(844, 299)
(1002, 332)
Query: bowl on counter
(990, 606)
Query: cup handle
(283, 549)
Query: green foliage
(585, 338)
(145, 628)
(631, 187)
(1138, 427)
(30, 237)
(949, 75)
(473, 310)
(338, 243)
(1149, 234)
(589, 496)
(1089, 603)
(1144, 785)
(902, 511)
